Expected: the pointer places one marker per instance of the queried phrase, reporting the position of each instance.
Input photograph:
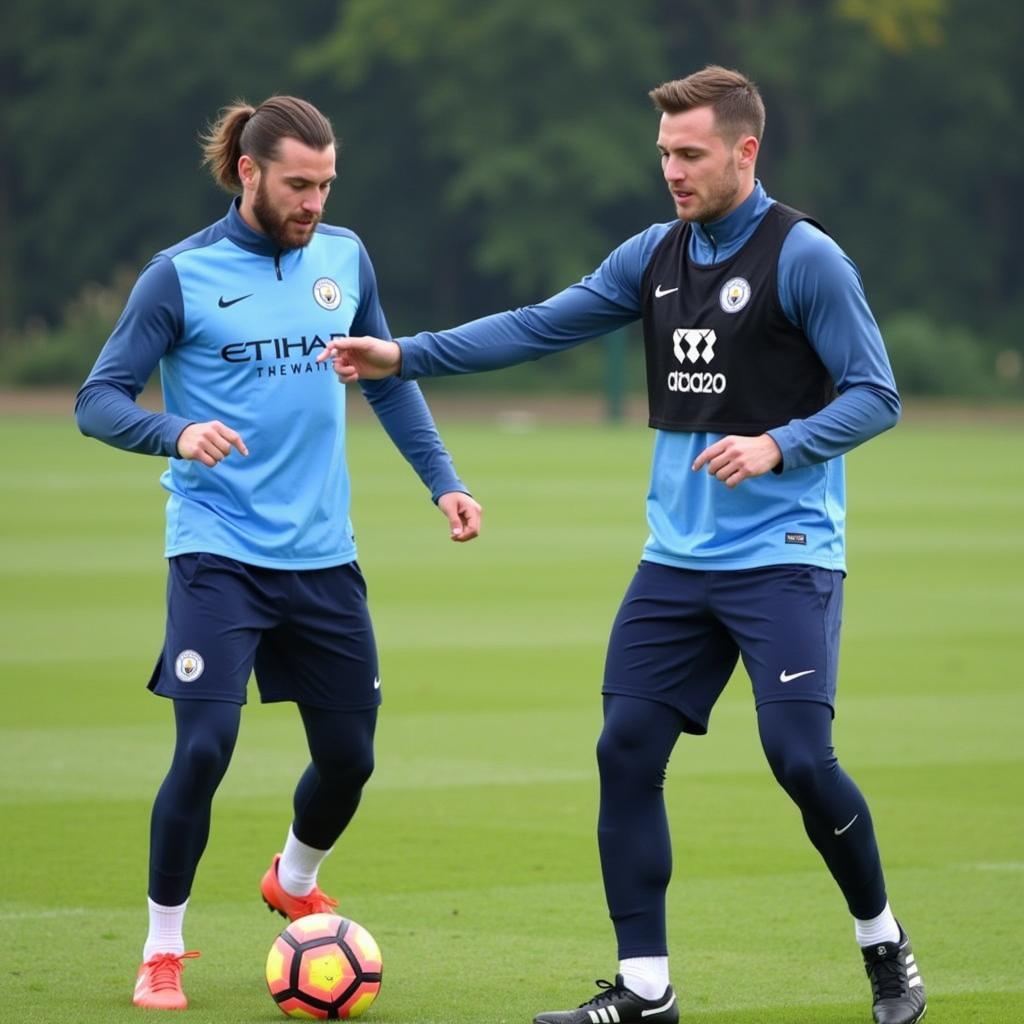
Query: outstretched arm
(491, 343)
(602, 302)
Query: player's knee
(622, 756)
(799, 773)
(349, 767)
(204, 759)
(612, 751)
(362, 768)
(341, 746)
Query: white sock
(647, 976)
(298, 866)
(165, 925)
(877, 929)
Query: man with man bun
(262, 571)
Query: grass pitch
(472, 859)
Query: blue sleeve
(603, 301)
(399, 404)
(369, 316)
(821, 293)
(148, 327)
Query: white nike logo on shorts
(788, 677)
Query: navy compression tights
(633, 833)
(341, 751)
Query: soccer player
(262, 558)
(764, 365)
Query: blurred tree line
(493, 153)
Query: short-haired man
(764, 365)
(262, 559)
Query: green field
(472, 859)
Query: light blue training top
(235, 325)
(695, 521)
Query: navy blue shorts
(306, 633)
(679, 632)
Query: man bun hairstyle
(242, 129)
(738, 107)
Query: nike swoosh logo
(840, 831)
(660, 292)
(788, 677)
(224, 303)
(376, 682)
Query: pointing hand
(362, 358)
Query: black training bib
(721, 354)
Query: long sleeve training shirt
(794, 516)
(235, 326)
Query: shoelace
(317, 902)
(611, 991)
(165, 968)
(887, 978)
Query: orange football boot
(287, 905)
(158, 984)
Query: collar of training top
(246, 237)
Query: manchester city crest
(188, 666)
(735, 294)
(327, 293)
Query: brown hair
(257, 132)
(733, 97)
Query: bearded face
(285, 196)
